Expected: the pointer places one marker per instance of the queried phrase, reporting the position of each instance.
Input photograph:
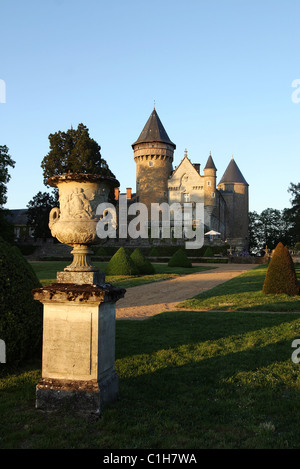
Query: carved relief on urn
(75, 221)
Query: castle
(225, 203)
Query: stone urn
(75, 221)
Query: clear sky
(220, 72)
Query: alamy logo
(296, 93)
(295, 354)
(2, 351)
(2, 91)
(165, 221)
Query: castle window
(213, 195)
(186, 197)
(151, 163)
(208, 183)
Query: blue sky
(220, 72)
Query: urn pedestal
(78, 356)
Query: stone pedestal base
(79, 396)
(78, 363)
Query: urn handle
(53, 216)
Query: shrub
(121, 264)
(179, 259)
(20, 315)
(208, 252)
(101, 252)
(144, 265)
(281, 276)
(154, 252)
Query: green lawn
(187, 380)
(46, 273)
(244, 293)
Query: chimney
(116, 193)
(197, 167)
(128, 193)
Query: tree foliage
(5, 162)
(38, 210)
(268, 228)
(74, 151)
(293, 213)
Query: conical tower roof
(210, 163)
(233, 174)
(154, 131)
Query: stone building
(225, 203)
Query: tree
(5, 162)
(6, 228)
(293, 214)
(268, 228)
(73, 151)
(38, 210)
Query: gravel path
(147, 300)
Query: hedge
(21, 317)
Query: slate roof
(233, 174)
(154, 131)
(210, 163)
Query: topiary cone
(179, 259)
(121, 264)
(281, 276)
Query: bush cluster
(21, 316)
(281, 276)
(124, 263)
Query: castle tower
(153, 154)
(234, 189)
(210, 176)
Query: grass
(197, 380)
(244, 293)
(46, 273)
(188, 379)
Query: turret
(210, 175)
(234, 189)
(153, 154)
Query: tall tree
(6, 162)
(293, 213)
(74, 151)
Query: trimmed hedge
(179, 259)
(208, 252)
(121, 264)
(144, 265)
(281, 276)
(21, 317)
